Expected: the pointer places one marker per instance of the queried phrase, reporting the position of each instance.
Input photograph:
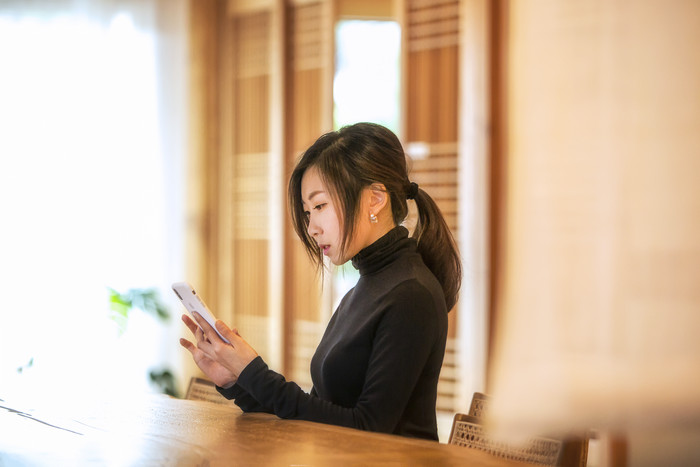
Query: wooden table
(158, 430)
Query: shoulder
(406, 288)
(411, 280)
(414, 303)
(411, 313)
(414, 287)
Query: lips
(325, 249)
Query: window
(90, 189)
(366, 88)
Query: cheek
(330, 221)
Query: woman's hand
(222, 362)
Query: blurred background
(144, 142)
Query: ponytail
(436, 246)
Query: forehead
(312, 184)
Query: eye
(318, 207)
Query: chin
(339, 261)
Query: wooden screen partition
(206, 18)
(309, 76)
(237, 237)
(203, 162)
(431, 74)
(261, 85)
(245, 289)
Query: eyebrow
(312, 195)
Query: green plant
(28, 365)
(163, 380)
(148, 301)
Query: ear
(378, 197)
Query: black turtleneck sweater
(377, 365)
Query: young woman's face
(324, 222)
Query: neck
(381, 228)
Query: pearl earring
(372, 218)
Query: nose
(313, 228)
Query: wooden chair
(468, 431)
(201, 389)
(479, 405)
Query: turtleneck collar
(382, 252)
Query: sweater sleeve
(403, 340)
(242, 399)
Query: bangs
(343, 189)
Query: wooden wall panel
(247, 57)
(431, 31)
(308, 68)
(432, 99)
(382, 9)
(203, 158)
(247, 236)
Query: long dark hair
(355, 157)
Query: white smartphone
(193, 303)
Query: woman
(377, 365)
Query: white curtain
(92, 143)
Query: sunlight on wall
(82, 198)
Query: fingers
(208, 340)
(203, 324)
(212, 354)
(195, 329)
(225, 331)
(188, 345)
(197, 352)
(190, 324)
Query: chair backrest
(468, 431)
(479, 405)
